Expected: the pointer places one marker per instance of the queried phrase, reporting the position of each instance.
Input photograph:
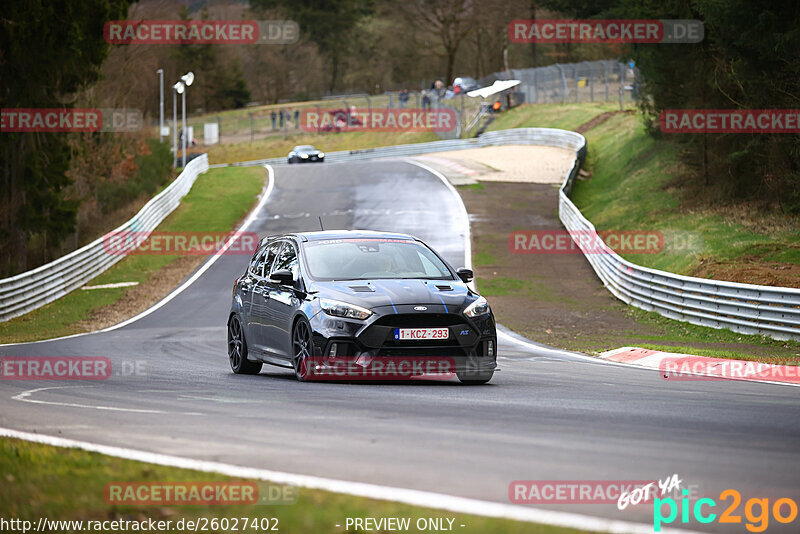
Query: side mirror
(283, 277)
(465, 274)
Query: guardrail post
(577, 80)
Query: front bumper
(471, 344)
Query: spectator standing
(403, 98)
(426, 100)
(273, 116)
(297, 118)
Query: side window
(255, 263)
(261, 261)
(270, 256)
(287, 259)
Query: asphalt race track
(547, 415)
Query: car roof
(340, 234)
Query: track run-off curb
(675, 366)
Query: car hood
(373, 293)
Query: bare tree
(449, 21)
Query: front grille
(420, 320)
(422, 352)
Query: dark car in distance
(308, 300)
(305, 154)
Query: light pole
(177, 88)
(187, 80)
(160, 104)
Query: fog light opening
(332, 350)
(489, 349)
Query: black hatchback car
(305, 154)
(365, 300)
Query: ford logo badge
(420, 308)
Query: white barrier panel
(210, 133)
(35, 288)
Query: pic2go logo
(758, 521)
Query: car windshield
(304, 148)
(364, 259)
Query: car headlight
(304, 156)
(322, 154)
(479, 307)
(342, 309)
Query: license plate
(413, 334)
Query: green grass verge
(687, 338)
(218, 199)
(564, 116)
(67, 484)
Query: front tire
(237, 350)
(474, 378)
(302, 349)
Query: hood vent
(444, 288)
(362, 289)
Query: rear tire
(237, 350)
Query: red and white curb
(676, 366)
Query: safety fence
(33, 289)
(588, 81)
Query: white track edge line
(420, 498)
(464, 213)
(266, 192)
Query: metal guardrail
(33, 289)
(531, 136)
(745, 308)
